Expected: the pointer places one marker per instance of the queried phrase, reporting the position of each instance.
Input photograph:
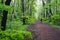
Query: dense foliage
(17, 15)
(14, 35)
(51, 12)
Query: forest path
(42, 31)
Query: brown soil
(42, 31)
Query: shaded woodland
(17, 15)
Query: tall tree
(4, 18)
(22, 2)
(43, 2)
(31, 5)
(23, 19)
(1, 1)
(50, 11)
(46, 10)
(56, 6)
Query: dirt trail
(42, 31)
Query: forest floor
(43, 31)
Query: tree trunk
(46, 10)
(56, 6)
(22, 6)
(2, 1)
(50, 11)
(43, 3)
(31, 14)
(23, 19)
(4, 18)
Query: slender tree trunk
(22, 6)
(31, 8)
(2, 1)
(28, 7)
(43, 3)
(56, 6)
(23, 19)
(50, 11)
(4, 18)
(46, 10)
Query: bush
(29, 19)
(56, 19)
(14, 35)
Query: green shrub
(56, 19)
(14, 35)
(31, 19)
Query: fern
(14, 35)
